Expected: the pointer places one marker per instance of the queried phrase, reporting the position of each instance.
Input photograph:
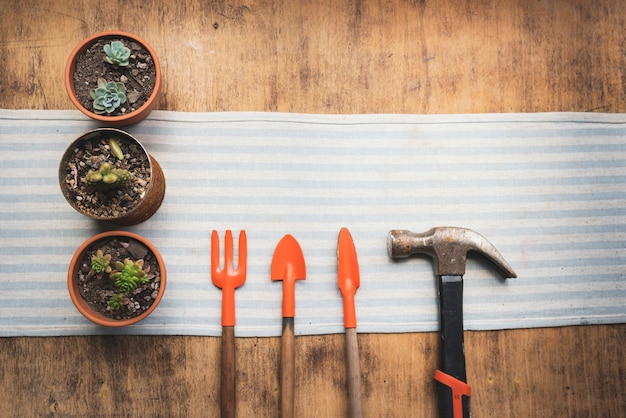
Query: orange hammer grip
(458, 388)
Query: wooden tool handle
(354, 374)
(227, 396)
(287, 372)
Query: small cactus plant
(108, 96)
(128, 275)
(107, 177)
(117, 53)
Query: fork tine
(215, 256)
(243, 255)
(228, 252)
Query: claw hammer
(448, 246)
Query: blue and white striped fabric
(548, 190)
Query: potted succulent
(116, 278)
(107, 175)
(113, 77)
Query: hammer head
(448, 246)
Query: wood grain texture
(325, 56)
(228, 382)
(287, 369)
(556, 372)
(353, 375)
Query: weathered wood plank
(338, 57)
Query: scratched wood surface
(327, 56)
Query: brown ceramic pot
(121, 120)
(144, 207)
(72, 280)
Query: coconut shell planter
(116, 278)
(113, 77)
(107, 175)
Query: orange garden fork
(228, 279)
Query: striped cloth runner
(548, 190)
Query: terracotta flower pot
(77, 264)
(119, 120)
(141, 196)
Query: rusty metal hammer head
(448, 246)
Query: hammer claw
(448, 246)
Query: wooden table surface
(328, 56)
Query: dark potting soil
(106, 203)
(139, 76)
(97, 291)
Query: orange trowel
(349, 280)
(288, 266)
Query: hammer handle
(452, 351)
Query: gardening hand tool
(448, 246)
(349, 280)
(288, 266)
(228, 278)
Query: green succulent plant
(128, 275)
(100, 263)
(117, 53)
(108, 96)
(116, 149)
(107, 177)
(117, 301)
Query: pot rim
(79, 302)
(131, 117)
(88, 136)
